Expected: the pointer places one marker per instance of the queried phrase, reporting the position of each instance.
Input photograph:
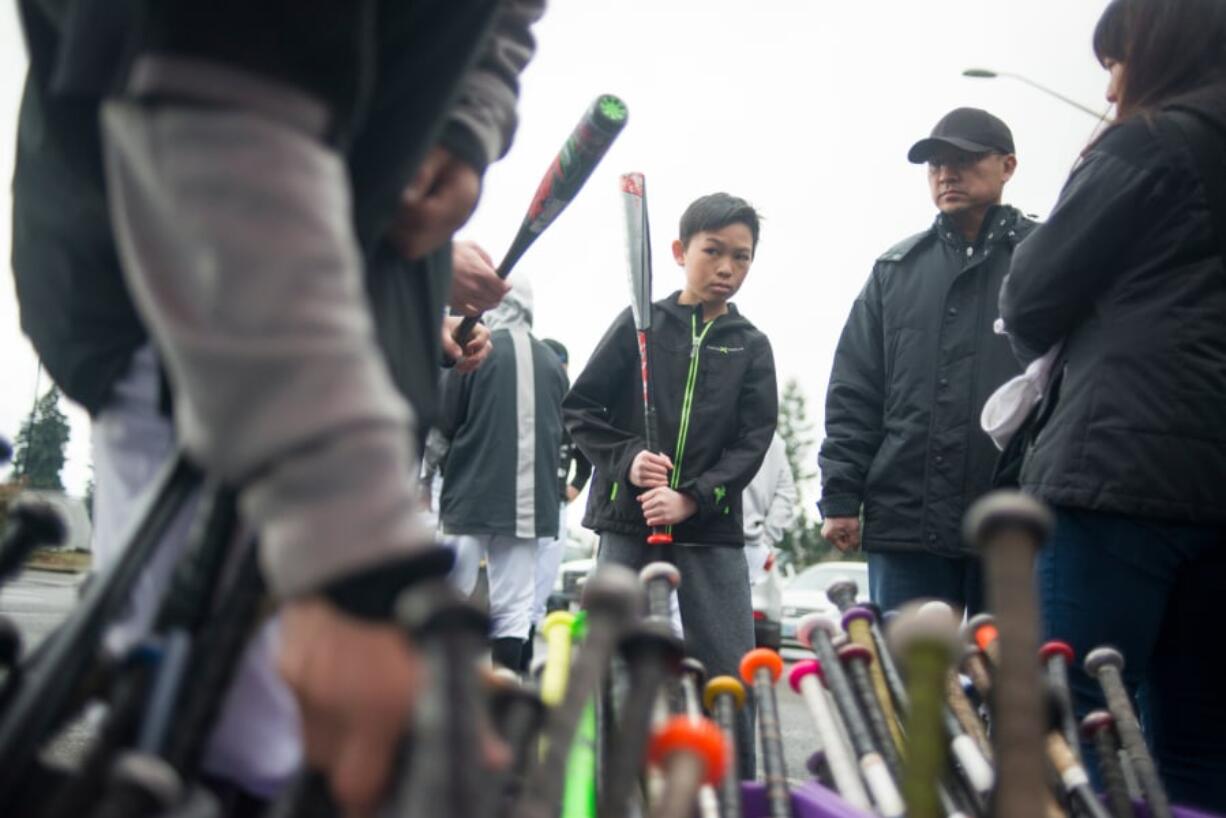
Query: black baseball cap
(967, 129)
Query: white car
(805, 593)
(578, 560)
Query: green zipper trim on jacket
(613, 492)
(687, 403)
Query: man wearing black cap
(917, 360)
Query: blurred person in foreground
(1128, 277)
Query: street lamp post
(984, 73)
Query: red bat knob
(700, 737)
(760, 658)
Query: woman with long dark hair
(1129, 273)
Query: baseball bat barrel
(439, 776)
(1107, 665)
(1009, 528)
(816, 632)
(652, 655)
(805, 679)
(1056, 657)
(760, 668)
(723, 696)
(692, 753)
(1099, 727)
(1073, 777)
(926, 639)
(855, 661)
(517, 716)
(660, 579)
(612, 596)
(858, 623)
(579, 791)
(975, 666)
(580, 154)
(963, 711)
(557, 631)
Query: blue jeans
(898, 577)
(1154, 590)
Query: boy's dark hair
(716, 211)
(1169, 48)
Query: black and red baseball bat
(579, 156)
(638, 252)
(1099, 727)
(1107, 665)
(1056, 657)
(652, 654)
(723, 696)
(817, 633)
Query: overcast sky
(806, 108)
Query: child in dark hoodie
(713, 378)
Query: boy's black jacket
(732, 418)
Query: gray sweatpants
(716, 612)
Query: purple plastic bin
(812, 800)
(809, 800)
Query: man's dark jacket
(504, 425)
(1128, 275)
(733, 408)
(916, 362)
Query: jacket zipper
(687, 403)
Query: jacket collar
(682, 312)
(1002, 224)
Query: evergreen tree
(803, 542)
(39, 453)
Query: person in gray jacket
(252, 188)
(917, 360)
(768, 506)
(503, 424)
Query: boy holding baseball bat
(716, 406)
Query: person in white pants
(257, 741)
(503, 431)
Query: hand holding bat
(580, 154)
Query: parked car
(578, 560)
(805, 593)
(766, 595)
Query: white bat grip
(978, 772)
(842, 767)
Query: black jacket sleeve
(758, 412)
(583, 469)
(606, 441)
(483, 119)
(454, 389)
(855, 406)
(1066, 262)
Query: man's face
(716, 261)
(961, 181)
